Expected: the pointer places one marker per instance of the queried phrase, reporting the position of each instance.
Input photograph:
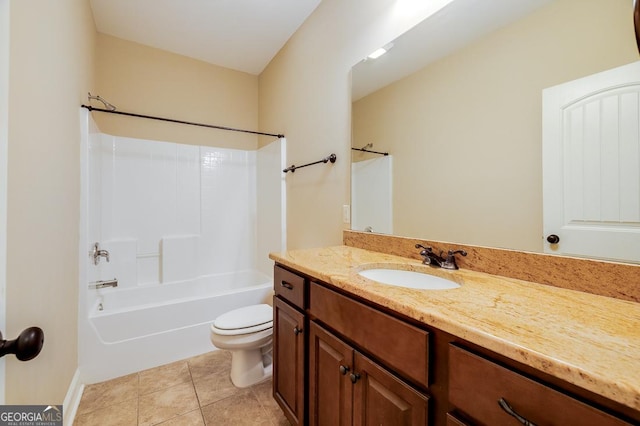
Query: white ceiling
(243, 35)
(456, 25)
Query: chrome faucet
(437, 260)
(97, 254)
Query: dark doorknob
(27, 346)
(553, 239)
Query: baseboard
(72, 399)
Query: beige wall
(145, 80)
(50, 71)
(466, 131)
(4, 142)
(305, 93)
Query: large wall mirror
(457, 103)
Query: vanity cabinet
(342, 360)
(490, 394)
(346, 387)
(289, 330)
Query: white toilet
(248, 334)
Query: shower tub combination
(135, 329)
(180, 256)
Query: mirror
(457, 103)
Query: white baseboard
(72, 399)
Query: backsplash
(617, 280)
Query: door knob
(553, 239)
(27, 346)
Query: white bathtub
(139, 328)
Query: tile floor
(196, 391)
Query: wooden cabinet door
(491, 394)
(382, 399)
(330, 387)
(288, 366)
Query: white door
(591, 165)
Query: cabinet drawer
(289, 286)
(477, 384)
(402, 347)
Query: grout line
(193, 383)
(266, 412)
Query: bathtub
(139, 328)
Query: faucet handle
(424, 252)
(452, 252)
(96, 253)
(425, 249)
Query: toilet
(248, 334)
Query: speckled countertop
(588, 340)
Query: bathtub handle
(286, 285)
(297, 330)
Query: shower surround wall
(188, 230)
(169, 212)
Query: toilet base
(250, 367)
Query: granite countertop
(588, 340)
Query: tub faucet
(437, 260)
(97, 254)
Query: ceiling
(243, 35)
(454, 26)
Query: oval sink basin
(408, 279)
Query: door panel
(330, 389)
(288, 366)
(591, 165)
(380, 398)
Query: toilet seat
(246, 320)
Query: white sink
(408, 279)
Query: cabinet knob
(354, 377)
(344, 369)
(286, 285)
(509, 410)
(297, 330)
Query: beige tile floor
(196, 391)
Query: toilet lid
(246, 317)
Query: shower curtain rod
(171, 120)
(367, 150)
